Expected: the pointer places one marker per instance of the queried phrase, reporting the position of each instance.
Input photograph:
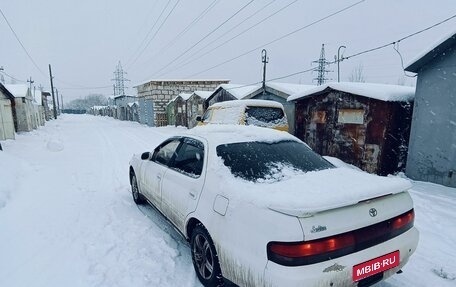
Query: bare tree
(89, 101)
(357, 74)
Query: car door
(154, 169)
(183, 182)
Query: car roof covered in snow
(245, 103)
(217, 134)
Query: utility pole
(31, 82)
(321, 69)
(264, 60)
(58, 104)
(52, 91)
(2, 79)
(61, 99)
(338, 62)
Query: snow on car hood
(302, 194)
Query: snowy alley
(67, 217)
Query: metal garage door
(6, 120)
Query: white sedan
(260, 208)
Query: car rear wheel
(205, 259)
(137, 196)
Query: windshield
(257, 161)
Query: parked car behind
(262, 113)
(260, 208)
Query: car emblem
(373, 212)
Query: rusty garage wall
(368, 133)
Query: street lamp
(338, 61)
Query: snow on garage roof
(239, 91)
(18, 91)
(431, 52)
(288, 88)
(181, 80)
(184, 96)
(382, 92)
(203, 94)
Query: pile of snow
(12, 169)
(55, 145)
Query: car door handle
(192, 194)
(159, 177)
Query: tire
(138, 198)
(205, 258)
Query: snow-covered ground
(67, 217)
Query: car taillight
(403, 220)
(313, 247)
(319, 250)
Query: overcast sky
(84, 40)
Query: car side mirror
(146, 156)
(199, 119)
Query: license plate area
(375, 266)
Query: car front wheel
(204, 257)
(137, 196)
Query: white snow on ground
(67, 217)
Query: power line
(188, 27)
(359, 53)
(129, 63)
(240, 23)
(228, 40)
(22, 45)
(12, 77)
(280, 38)
(78, 86)
(85, 88)
(207, 35)
(402, 61)
(401, 39)
(161, 25)
(219, 37)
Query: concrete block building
(432, 148)
(160, 92)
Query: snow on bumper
(338, 272)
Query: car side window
(166, 152)
(190, 158)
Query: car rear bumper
(338, 272)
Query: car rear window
(257, 161)
(264, 116)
